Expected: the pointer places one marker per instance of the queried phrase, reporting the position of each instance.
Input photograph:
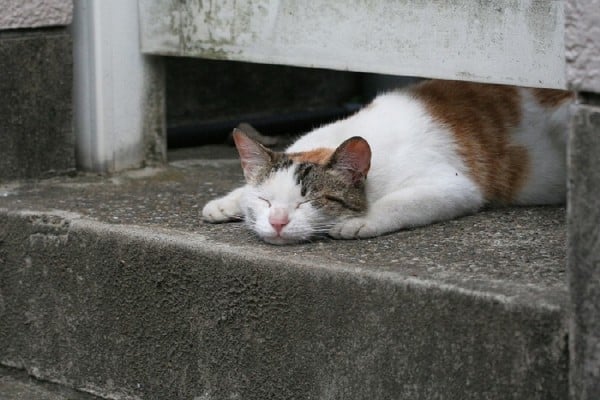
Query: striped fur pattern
(435, 151)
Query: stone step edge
(508, 294)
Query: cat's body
(432, 152)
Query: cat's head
(292, 197)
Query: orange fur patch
(481, 117)
(320, 156)
(552, 97)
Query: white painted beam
(515, 42)
(119, 92)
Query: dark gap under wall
(206, 99)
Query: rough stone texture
(582, 30)
(125, 293)
(18, 14)
(17, 385)
(36, 137)
(583, 75)
(584, 252)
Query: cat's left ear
(254, 156)
(353, 159)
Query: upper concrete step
(113, 285)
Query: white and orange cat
(432, 152)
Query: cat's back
(483, 111)
(388, 121)
(511, 138)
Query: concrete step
(113, 286)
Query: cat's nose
(278, 219)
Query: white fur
(543, 133)
(416, 177)
(226, 208)
(279, 191)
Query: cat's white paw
(354, 228)
(222, 209)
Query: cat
(431, 152)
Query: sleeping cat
(432, 152)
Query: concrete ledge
(125, 294)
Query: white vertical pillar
(118, 92)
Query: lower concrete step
(113, 286)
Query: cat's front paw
(223, 209)
(354, 228)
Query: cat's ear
(353, 159)
(254, 156)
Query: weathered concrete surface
(584, 251)
(582, 30)
(17, 385)
(583, 74)
(470, 40)
(36, 134)
(18, 14)
(125, 293)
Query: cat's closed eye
(303, 202)
(335, 199)
(340, 202)
(265, 200)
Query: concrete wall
(18, 14)
(582, 41)
(583, 72)
(473, 40)
(36, 129)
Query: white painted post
(118, 92)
